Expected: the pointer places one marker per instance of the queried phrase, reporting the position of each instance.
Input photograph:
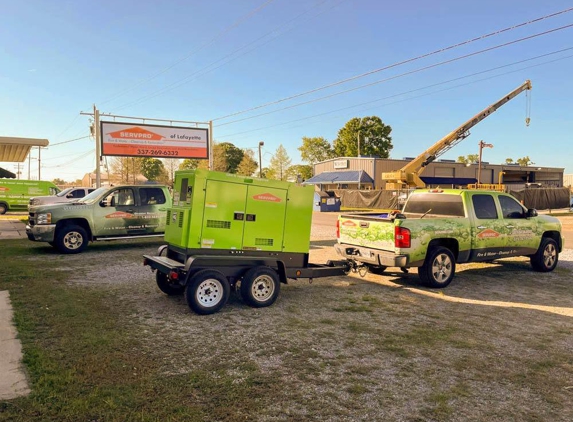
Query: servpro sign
(138, 140)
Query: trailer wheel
(546, 257)
(3, 208)
(260, 287)
(207, 292)
(166, 286)
(379, 270)
(71, 239)
(439, 268)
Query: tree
(189, 164)
(171, 164)
(509, 161)
(315, 150)
(468, 159)
(373, 134)
(279, 164)
(59, 182)
(524, 161)
(152, 168)
(248, 165)
(126, 169)
(302, 170)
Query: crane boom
(408, 176)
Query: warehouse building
(366, 173)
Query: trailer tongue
(226, 231)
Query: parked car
(67, 195)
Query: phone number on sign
(157, 152)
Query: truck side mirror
(531, 212)
(70, 195)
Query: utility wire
(208, 69)
(397, 64)
(420, 89)
(421, 69)
(71, 140)
(207, 44)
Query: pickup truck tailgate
(367, 230)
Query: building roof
(350, 176)
(16, 149)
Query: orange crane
(409, 175)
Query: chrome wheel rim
(263, 288)
(73, 240)
(549, 255)
(209, 293)
(442, 268)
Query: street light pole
(261, 143)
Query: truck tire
(439, 267)
(546, 257)
(207, 292)
(260, 287)
(167, 287)
(3, 209)
(71, 239)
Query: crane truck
(409, 175)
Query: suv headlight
(45, 218)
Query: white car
(67, 195)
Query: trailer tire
(439, 268)
(546, 257)
(207, 292)
(71, 239)
(170, 289)
(378, 270)
(260, 287)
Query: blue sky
(200, 61)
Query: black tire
(379, 270)
(3, 209)
(439, 268)
(546, 257)
(207, 292)
(260, 287)
(71, 239)
(166, 286)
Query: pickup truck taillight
(401, 237)
(337, 229)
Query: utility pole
(261, 143)
(29, 162)
(98, 146)
(39, 160)
(210, 144)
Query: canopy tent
(6, 174)
(17, 149)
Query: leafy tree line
(474, 158)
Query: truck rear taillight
(173, 275)
(337, 229)
(401, 237)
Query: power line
(207, 44)
(208, 69)
(397, 64)
(71, 140)
(421, 69)
(420, 89)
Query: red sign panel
(139, 140)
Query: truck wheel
(546, 257)
(166, 286)
(439, 268)
(71, 239)
(207, 292)
(260, 287)
(3, 209)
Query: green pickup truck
(108, 213)
(438, 228)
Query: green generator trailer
(225, 229)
